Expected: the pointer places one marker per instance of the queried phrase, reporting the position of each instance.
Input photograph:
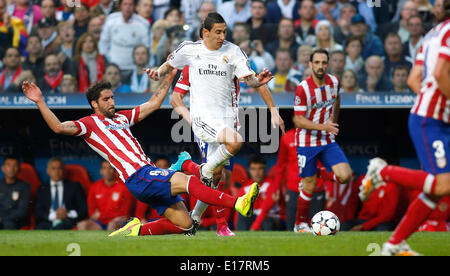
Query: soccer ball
(325, 223)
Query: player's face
(105, 104)
(215, 37)
(319, 65)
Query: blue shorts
(203, 148)
(431, 138)
(329, 155)
(151, 185)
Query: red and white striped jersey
(112, 139)
(315, 104)
(430, 102)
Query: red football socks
(208, 195)
(417, 213)
(220, 211)
(161, 226)
(303, 204)
(413, 179)
(191, 167)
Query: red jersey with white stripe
(430, 102)
(112, 139)
(315, 104)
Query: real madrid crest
(225, 59)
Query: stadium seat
(238, 177)
(28, 173)
(78, 173)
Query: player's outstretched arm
(301, 122)
(158, 97)
(34, 93)
(180, 107)
(415, 78)
(267, 97)
(442, 76)
(263, 78)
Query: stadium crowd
(67, 45)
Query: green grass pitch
(206, 243)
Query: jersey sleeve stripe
(81, 128)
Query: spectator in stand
(14, 196)
(189, 8)
(81, 15)
(88, 63)
(415, 28)
(285, 78)
(205, 8)
(349, 82)
(16, 86)
(53, 74)
(35, 59)
(374, 79)
(12, 31)
(158, 30)
(12, 68)
(67, 38)
(140, 83)
(353, 51)
(174, 16)
(305, 26)
(65, 11)
(424, 8)
(48, 10)
(241, 32)
(282, 9)
(286, 38)
(303, 55)
(408, 9)
(235, 11)
(372, 43)
(342, 28)
(49, 36)
(95, 27)
(159, 8)
(306, 73)
(377, 212)
(112, 75)
(28, 12)
(337, 64)
(145, 9)
(270, 219)
(69, 84)
(324, 37)
(109, 202)
(438, 11)
(260, 29)
(329, 10)
(121, 32)
(60, 204)
(399, 78)
(105, 8)
(394, 54)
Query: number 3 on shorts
(438, 145)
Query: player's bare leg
(342, 172)
(306, 191)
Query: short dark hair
(11, 157)
(162, 157)
(211, 19)
(257, 159)
(319, 51)
(93, 92)
(400, 67)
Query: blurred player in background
(215, 67)
(316, 111)
(429, 129)
(108, 133)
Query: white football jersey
(214, 77)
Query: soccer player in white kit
(215, 68)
